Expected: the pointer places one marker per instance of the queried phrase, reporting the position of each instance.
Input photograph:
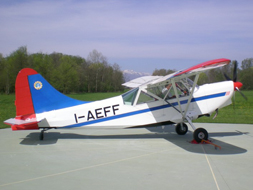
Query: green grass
(7, 109)
(240, 112)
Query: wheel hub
(201, 135)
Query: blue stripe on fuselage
(144, 110)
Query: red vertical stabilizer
(25, 116)
(23, 102)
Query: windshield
(129, 96)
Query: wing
(141, 81)
(202, 67)
(213, 64)
(152, 81)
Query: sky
(141, 35)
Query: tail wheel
(181, 128)
(200, 134)
(42, 135)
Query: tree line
(74, 74)
(244, 73)
(68, 74)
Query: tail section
(23, 102)
(47, 98)
(25, 115)
(34, 95)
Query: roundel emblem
(37, 85)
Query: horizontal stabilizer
(19, 124)
(13, 121)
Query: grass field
(240, 112)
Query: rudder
(23, 102)
(25, 115)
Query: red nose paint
(237, 85)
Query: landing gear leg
(198, 133)
(42, 133)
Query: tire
(181, 130)
(200, 134)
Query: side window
(145, 98)
(168, 92)
(180, 88)
(129, 96)
(171, 93)
(158, 91)
(188, 83)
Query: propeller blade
(235, 72)
(234, 100)
(237, 89)
(226, 76)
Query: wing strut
(175, 90)
(172, 106)
(191, 96)
(174, 87)
(186, 117)
(183, 113)
(177, 96)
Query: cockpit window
(188, 83)
(180, 90)
(183, 88)
(129, 96)
(145, 98)
(158, 91)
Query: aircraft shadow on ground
(168, 133)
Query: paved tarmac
(136, 159)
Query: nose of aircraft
(237, 85)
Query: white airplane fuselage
(114, 113)
(152, 100)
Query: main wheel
(200, 134)
(181, 128)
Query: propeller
(235, 72)
(237, 85)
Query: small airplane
(174, 99)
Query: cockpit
(168, 91)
